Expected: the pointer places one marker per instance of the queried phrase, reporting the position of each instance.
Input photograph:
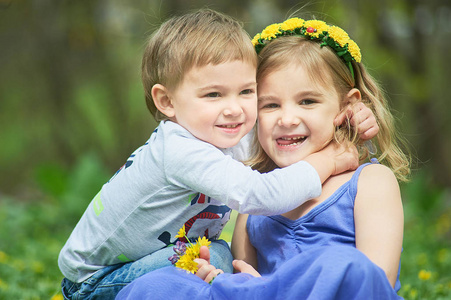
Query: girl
(345, 244)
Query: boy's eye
(307, 102)
(247, 92)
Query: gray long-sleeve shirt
(173, 180)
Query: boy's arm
(379, 219)
(362, 117)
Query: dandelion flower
(315, 28)
(338, 35)
(181, 232)
(354, 50)
(424, 275)
(270, 31)
(255, 39)
(203, 242)
(292, 24)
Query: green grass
(33, 232)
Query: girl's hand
(243, 267)
(206, 271)
(362, 116)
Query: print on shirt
(209, 222)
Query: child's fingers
(204, 270)
(201, 262)
(243, 267)
(212, 275)
(342, 117)
(204, 253)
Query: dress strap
(355, 178)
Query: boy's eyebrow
(218, 86)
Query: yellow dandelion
(187, 263)
(338, 35)
(315, 27)
(354, 50)
(181, 232)
(57, 297)
(255, 39)
(292, 24)
(424, 275)
(203, 242)
(270, 31)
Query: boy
(199, 75)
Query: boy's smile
(217, 103)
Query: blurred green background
(72, 110)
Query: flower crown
(329, 35)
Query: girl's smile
(295, 116)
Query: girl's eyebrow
(266, 98)
(309, 94)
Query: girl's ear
(162, 100)
(353, 96)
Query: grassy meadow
(33, 232)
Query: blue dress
(313, 257)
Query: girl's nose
(289, 118)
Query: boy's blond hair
(192, 40)
(326, 68)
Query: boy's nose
(233, 108)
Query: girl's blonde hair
(191, 40)
(322, 64)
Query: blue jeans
(107, 282)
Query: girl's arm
(379, 218)
(242, 248)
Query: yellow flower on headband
(292, 24)
(314, 27)
(270, 32)
(339, 35)
(354, 50)
(255, 39)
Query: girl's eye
(213, 95)
(247, 92)
(270, 105)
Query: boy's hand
(334, 159)
(206, 271)
(345, 157)
(362, 116)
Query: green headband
(332, 36)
